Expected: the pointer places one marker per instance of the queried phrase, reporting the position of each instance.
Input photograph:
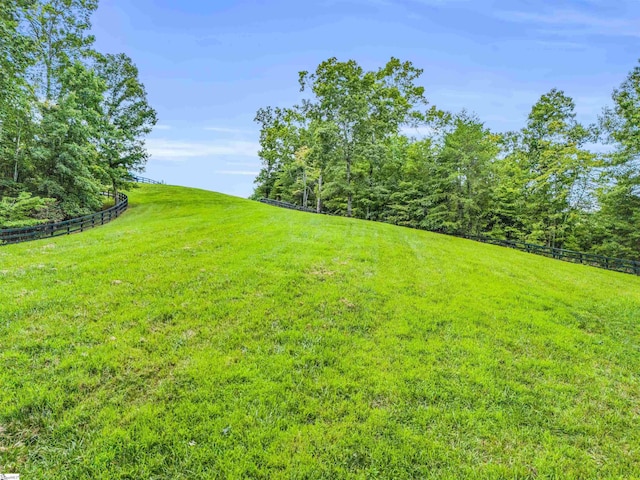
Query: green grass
(204, 336)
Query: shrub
(26, 210)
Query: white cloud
(177, 151)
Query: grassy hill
(204, 336)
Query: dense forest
(351, 148)
(72, 120)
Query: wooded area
(72, 120)
(352, 148)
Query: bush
(26, 210)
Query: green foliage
(620, 195)
(278, 145)
(621, 122)
(557, 168)
(72, 121)
(26, 210)
(541, 184)
(507, 216)
(14, 96)
(460, 182)
(126, 119)
(291, 345)
(58, 30)
(365, 108)
(65, 155)
(351, 114)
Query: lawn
(205, 336)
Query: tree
(621, 123)
(345, 146)
(65, 154)
(16, 133)
(279, 142)
(365, 107)
(71, 120)
(126, 119)
(508, 207)
(460, 183)
(16, 98)
(551, 150)
(410, 163)
(58, 30)
(620, 196)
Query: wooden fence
(25, 234)
(600, 261)
(291, 206)
(139, 179)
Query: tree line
(349, 148)
(72, 119)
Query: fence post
(67, 227)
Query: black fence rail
(608, 263)
(139, 179)
(600, 261)
(291, 206)
(25, 234)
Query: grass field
(204, 336)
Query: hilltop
(202, 336)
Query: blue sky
(209, 65)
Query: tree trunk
(15, 167)
(319, 202)
(371, 199)
(305, 194)
(349, 195)
(49, 64)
